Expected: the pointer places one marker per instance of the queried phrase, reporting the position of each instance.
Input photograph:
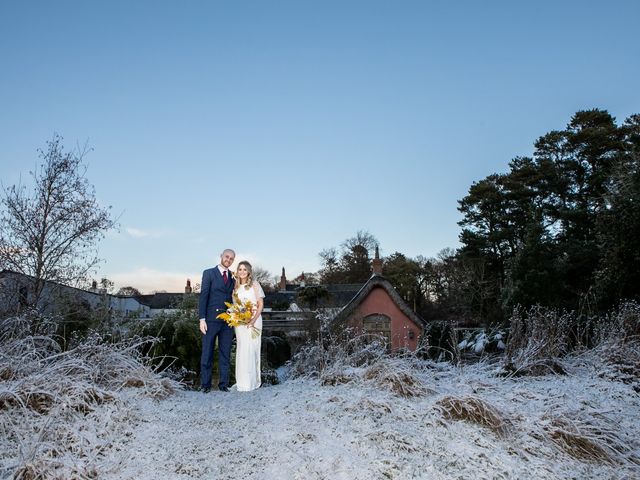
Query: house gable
(377, 301)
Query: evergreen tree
(559, 226)
(405, 276)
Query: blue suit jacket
(213, 293)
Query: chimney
(283, 281)
(376, 265)
(94, 286)
(303, 280)
(188, 288)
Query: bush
(58, 408)
(335, 347)
(540, 337)
(178, 346)
(441, 343)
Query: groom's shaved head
(227, 257)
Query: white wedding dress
(247, 347)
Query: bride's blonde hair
(249, 268)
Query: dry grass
(342, 356)
(516, 410)
(358, 359)
(58, 408)
(589, 438)
(474, 410)
(538, 339)
(576, 443)
(324, 358)
(335, 378)
(618, 348)
(335, 349)
(396, 375)
(618, 361)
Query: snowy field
(571, 426)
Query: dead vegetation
(590, 437)
(541, 338)
(396, 375)
(341, 357)
(618, 346)
(336, 378)
(59, 409)
(324, 358)
(579, 443)
(474, 410)
(531, 411)
(538, 339)
(620, 362)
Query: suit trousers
(224, 333)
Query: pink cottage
(378, 309)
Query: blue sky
(282, 128)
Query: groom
(216, 288)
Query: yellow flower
(238, 313)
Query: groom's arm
(205, 287)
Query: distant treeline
(559, 229)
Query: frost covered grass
(61, 412)
(473, 410)
(540, 338)
(349, 410)
(464, 422)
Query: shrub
(538, 338)
(58, 407)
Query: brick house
(378, 309)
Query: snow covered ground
(572, 426)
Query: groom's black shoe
(205, 389)
(224, 389)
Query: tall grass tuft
(58, 408)
(474, 410)
(538, 339)
(340, 356)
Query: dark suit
(213, 294)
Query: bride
(248, 339)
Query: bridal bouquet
(239, 313)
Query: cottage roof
(339, 294)
(278, 298)
(377, 280)
(12, 273)
(161, 300)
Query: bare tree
(350, 263)
(106, 285)
(128, 291)
(264, 277)
(50, 230)
(362, 239)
